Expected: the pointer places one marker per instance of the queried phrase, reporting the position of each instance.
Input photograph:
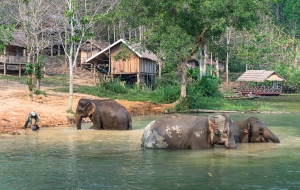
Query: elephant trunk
(230, 143)
(78, 121)
(270, 136)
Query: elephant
(188, 132)
(252, 130)
(105, 114)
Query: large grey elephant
(105, 114)
(189, 132)
(252, 130)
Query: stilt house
(129, 62)
(14, 54)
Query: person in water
(32, 115)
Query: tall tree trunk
(217, 66)
(30, 77)
(201, 65)
(114, 33)
(228, 36)
(71, 83)
(296, 57)
(205, 60)
(75, 51)
(159, 68)
(227, 64)
(184, 79)
(211, 64)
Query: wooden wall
(130, 66)
(14, 51)
(133, 65)
(84, 55)
(13, 54)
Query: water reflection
(65, 158)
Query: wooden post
(20, 68)
(44, 69)
(94, 68)
(58, 49)
(51, 49)
(4, 67)
(138, 79)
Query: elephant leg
(97, 123)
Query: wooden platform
(18, 65)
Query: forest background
(259, 34)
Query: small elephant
(189, 132)
(252, 130)
(105, 114)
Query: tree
(31, 16)
(81, 16)
(181, 28)
(5, 36)
(286, 14)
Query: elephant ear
(222, 123)
(213, 123)
(90, 107)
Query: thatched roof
(88, 44)
(136, 48)
(259, 76)
(19, 39)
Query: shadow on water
(65, 158)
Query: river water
(65, 158)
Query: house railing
(13, 59)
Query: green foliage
(286, 14)
(30, 83)
(291, 76)
(193, 74)
(167, 94)
(71, 112)
(38, 70)
(37, 92)
(5, 36)
(124, 53)
(112, 85)
(29, 68)
(207, 86)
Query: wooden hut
(14, 54)
(90, 48)
(260, 83)
(129, 62)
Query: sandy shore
(15, 106)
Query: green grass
(281, 103)
(21, 79)
(56, 81)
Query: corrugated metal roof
(259, 76)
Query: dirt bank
(52, 109)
